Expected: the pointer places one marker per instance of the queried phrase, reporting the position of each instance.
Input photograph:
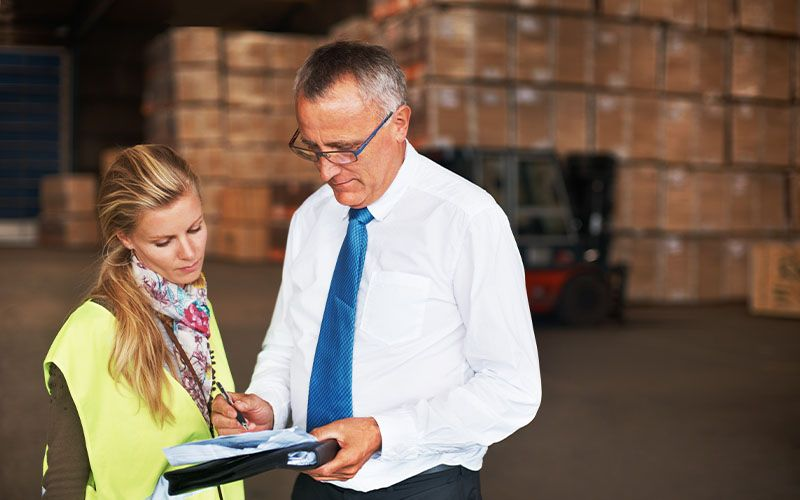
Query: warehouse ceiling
(65, 22)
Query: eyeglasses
(341, 157)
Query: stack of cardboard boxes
(224, 100)
(698, 100)
(67, 216)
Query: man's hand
(255, 410)
(358, 438)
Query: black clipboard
(226, 470)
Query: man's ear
(123, 238)
(400, 121)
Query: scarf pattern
(187, 307)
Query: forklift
(560, 212)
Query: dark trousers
(455, 483)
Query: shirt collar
(382, 206)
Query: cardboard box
(645, 128)
(68, 230)
(624, 8)
(769, 15)
(709, 137)
(610, 68)
(451, 34)
(573, 54)
(637, 197)
(250, 164)
(734, 269)
(710, 270)
(695, 62)
(244, 241)
(491, 116)
(713, 201)
(761, 134)
(533, 109)
(280, 128)
(626, 55)
(280, 93)
(207, 161)
(629, 126)
(641, 257)
(183, 46)
(761, 67)
(679, 200)
(775, 279)
(260, 51)
(490, 45)
(248, 90)
(535, 56)
(247, 50)
(284, 166)
(196, 123)
(680, 126)
(211, 195)
(570, 121)
(246, 126)
(678, 262)
(611, 125)
(744, 201)
(196, 83)
(441, 115)
(772, 205)
(246, 203)
(715, 14)
(73, 194)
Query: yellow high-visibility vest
(123, 441)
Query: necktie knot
(361, 215)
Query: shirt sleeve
(67, 458)
(270, 380)
(504, 392)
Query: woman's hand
(255, 410)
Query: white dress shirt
(444, 358)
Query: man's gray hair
(379, 77)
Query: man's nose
(327, 169)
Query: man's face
(341, 120)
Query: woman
(132, 370)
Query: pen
(239, 417)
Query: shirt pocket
(394, 309)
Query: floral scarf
(188, 308)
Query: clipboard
(226, 470)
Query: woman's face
(171, 240)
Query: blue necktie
(330, 392)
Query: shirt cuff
(276, 399)
(398, 436)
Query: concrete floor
(677, 403)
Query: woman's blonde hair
(143, 177)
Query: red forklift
(560, 212)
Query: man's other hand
(359, 439)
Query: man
(402, 327)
